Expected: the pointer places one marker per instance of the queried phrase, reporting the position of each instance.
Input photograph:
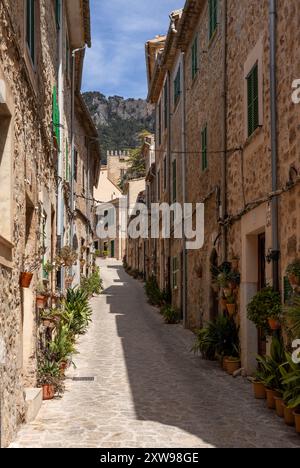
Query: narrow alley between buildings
(148, 389)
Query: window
(55, 116)
(175, 271)
(166, 96)
(174, 173)
(75, 164)
(83, 179)
(253, 100)
(165, 173)
(213, 17)
(195, 57)
(30, 28)
(58, 13)
(159, 124)
(204, 148)
(177, 86)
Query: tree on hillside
(137, 163)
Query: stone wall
(116, 163)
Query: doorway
(112, 249)
(261, 251)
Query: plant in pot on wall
(264, 305)
(292, 313)
(291, 395)
(41, 296)
(31, 264)
(231, 305)
(49, 379)
(67, 257)
(51, 317)
(170, 315)
(293, 273)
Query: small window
(204, 148)
(174, 173)
(165, 173)
(213, 17)
(55, 116)
(195, 57)
(253, 100)
(177, 86)
(175, 271)
(30, 28)
(58, 13)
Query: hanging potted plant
(293, 273)
(67, 257)
(231, 305)
(274, 318)
(234, 279)
(31, 265)
(235, 263)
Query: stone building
(36, 134)
(225, 114)
(117, 165)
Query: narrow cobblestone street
(149, 390)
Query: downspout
(274, 143)
(60, 197)
(224, 139)
(169, 166)
(183, 169)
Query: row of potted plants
(278, 381)
(226, 281)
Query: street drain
(83, 379)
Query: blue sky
(116, 63)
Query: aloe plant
(269, 372)
(77, 311)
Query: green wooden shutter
(195, 58)
(57, 13)
(174, 171)
(166, 104)
(55, 116)
(204, 148)
(288, 290)
(30, 28)
(177, 86)
(253, 100)
(213, 17)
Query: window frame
(253, 100)
(30, 29)
(177, 86)
(175, 271)
(195, 64)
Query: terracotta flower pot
(231, 309)
(279, 406)
(274, 324)
(233, 366)
(48, 392)
(289, 417)
(224, 363)
(259, 391)
(41, 301)
(25, 279)
(297, 420)
(235, 264)
(294, 280)
(271, 394)
(223, 304)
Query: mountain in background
(119, 121)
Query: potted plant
(105, 254)
(258, 387)
(231, 305)
(68, 281)
(62, 347)
(291, 395)
(234, 279)
(49, 379)
(270, 367)
(274, 318)
(293, 273)
(41, 296)
(67, 257)
(50, 317)
(292, 312)
(233, 364)
(264, 305)
(235, 263)
(170, 315)
(31, 265)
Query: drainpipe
(224, 138)
(183, 169)
(60, 90)
(274, 143)
(169, 178)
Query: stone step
(34, 400)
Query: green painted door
(112, 249)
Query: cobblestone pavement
(149, 390)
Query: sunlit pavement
(149, 390)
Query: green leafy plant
(41, 289)
(269, 372)
(62, 346)
(92, 284)
(231, 299)
(264, 305)
(97, 253)
(49, 374)
(77, 311)
(170, 315)
(294, 269)
(293, 316)
(153, 292)
(218, 338)
(291, 383)
(49, 267)
(66, 257)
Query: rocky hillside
(119, 120)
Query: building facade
(38, 66)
